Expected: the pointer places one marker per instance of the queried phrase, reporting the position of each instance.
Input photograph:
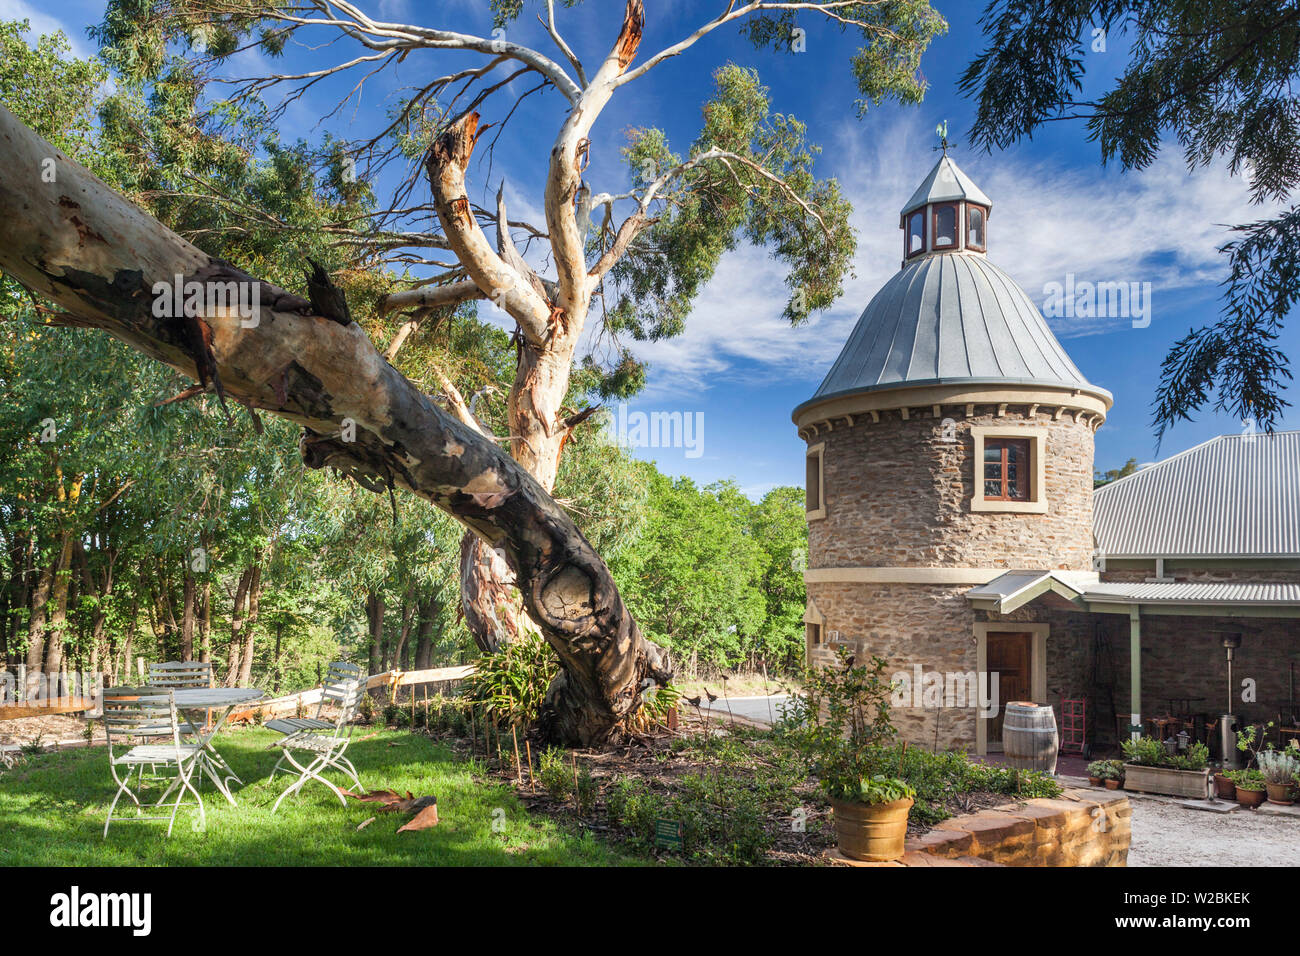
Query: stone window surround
(818, 451)
(814, 625)
(1037, 666)
(1037, 435)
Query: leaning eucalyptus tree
(69, 238)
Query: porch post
(1135, 671)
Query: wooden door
(1008, 655)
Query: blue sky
(1056, 212)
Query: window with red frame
(1006, 469)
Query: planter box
(1173, 783)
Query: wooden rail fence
(16, 702)
(391, 680)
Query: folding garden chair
(181, 675)
(144, 721)
(325, 741)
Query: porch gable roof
(1015, 589)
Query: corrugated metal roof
(1234, 495)
(1191, 593)
(1005, 585)
(944, 183)
(951, 318)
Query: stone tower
(951, 442)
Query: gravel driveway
(1168, 834)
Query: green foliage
(722, 819)
(1248, 779)
(51, 92)
(939, 777)
(1099, 769)
(1149, 752)
(1219, 78)
(710, 206)
(715, 578)
(842, 726)
(1114, 474)
(511, 684)
(894, 34)
(555, 773)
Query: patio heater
(1228, 720)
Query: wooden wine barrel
(1029, 739)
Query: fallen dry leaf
(424, 808)
(366, 823)
(375, 796)
(427, 817)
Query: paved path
(764, 710)
(1166, 833)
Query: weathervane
(942, 132)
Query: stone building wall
(1184, 657)
(906, 624)
(898, 494)
(1227, 573)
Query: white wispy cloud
(1160, 225)
(44, 23)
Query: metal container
(1228, 741)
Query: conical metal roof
(950, 319)
(945, 183)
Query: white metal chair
(325, 740)
(144, 720)
(182, 675)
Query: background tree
(1219, 76)
(637, 243)
(717, 578)
(1114, 474)
(748, 176)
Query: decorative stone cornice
(901, 575)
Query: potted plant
(1098, 771)
(1251, 789)
(1153, 768)
(1224, 788)
(1115, 779)
(871, 824)
(1279, 769)
(844, 730)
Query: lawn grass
(52, 810)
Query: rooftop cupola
(947, 213)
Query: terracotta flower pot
(1280, 793)
(1224, 788)
(1094, 781)
(1112, 783)
(1250, 798)
(871, 832)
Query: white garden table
(195, 702)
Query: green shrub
(555, 773)
(938, 777)
(1149, 752)
(511, 684)
(1099, 769)
(841, 725)
(587, 791)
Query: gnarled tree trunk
(78, 244)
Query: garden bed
(1167, 781)
(741, 793)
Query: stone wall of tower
(906, 624)
(897, 494)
